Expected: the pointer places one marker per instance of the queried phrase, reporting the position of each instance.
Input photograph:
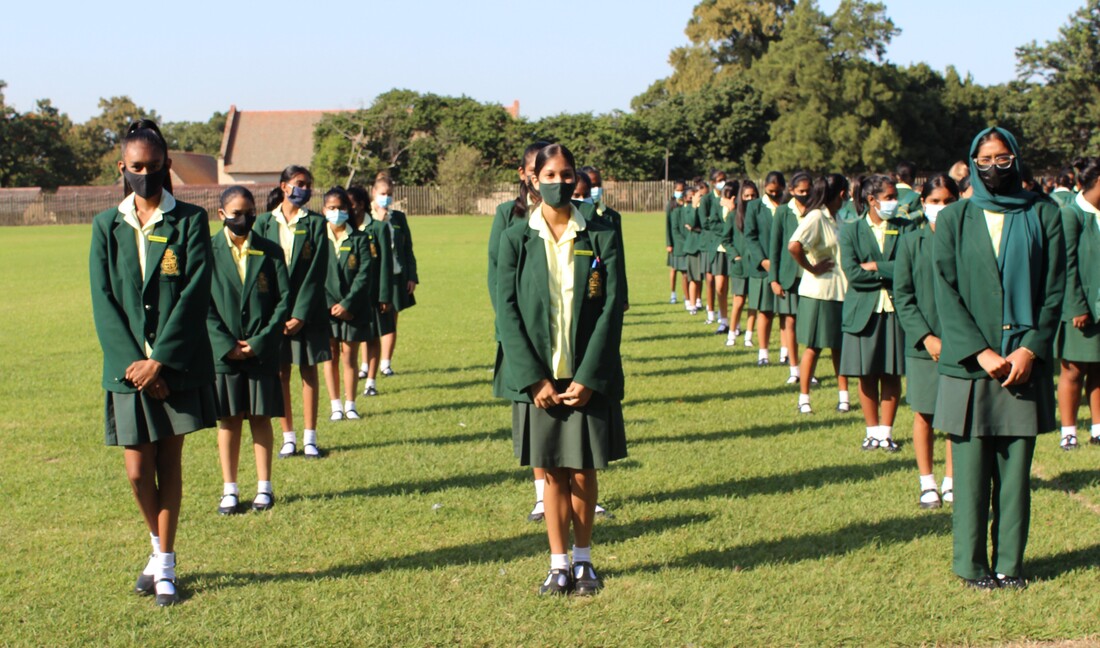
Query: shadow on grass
(470, 481)
(1051, 567)
(521, 546)
(680, 358)
(801, 424)
(499, 434)
(714, 396)
(779, 484)
(1070, 481)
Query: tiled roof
(266, 141)
(193, 168)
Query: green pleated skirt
(680, 262)
(787, 304)
(400, 290)
(351, 331)
(248, 394)
(309, 346)
(718, 263)
(565, 437)
(761, 298)
(739, 286)
(878, 349)
(134, 419)
(670, 262)
(1078, 345)
(981, 407)
(922, 381)
(817, 325)
(694, 267)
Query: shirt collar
(768, 201)
(128, 209)
(881, 226)
(281, 217)
(902, 185)
(229, 238)
(337, 238)
(576, 224)
(1086, 205)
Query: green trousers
(991, 472)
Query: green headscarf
(1019, 200)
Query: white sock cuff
(264, 487)
(582, 554)
(762, 354)
(230, 488)
(842, 396)
(349, 405)
(927, 482)
(1096, 429)
(337, 405)
(290, 437)
(311, 437)
(1069, 430)
(803, 399)
(559, 561)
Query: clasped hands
(545, 396)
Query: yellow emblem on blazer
(353, 262)
(582, 252)
(307, 250)
(261, 283)
(595, 285)
(894, 232)
(252, 252)
(373, 249)
(300, 231)
(169, 264)
(158, 239)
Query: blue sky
(186, 60)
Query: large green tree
(196, 137)
(96, 141)
(33, 149)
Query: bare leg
(868, 399)
(373, 355)
(693, 293)
(890, 395)
(750, 323)
(735, 315)
(710, 292)
(806, 369)
(923, 439)
(788, 338)
(169, 489)
(331, 370)
(584, 489)
(287, 419)
(262, 444)
(722, 288)
(141, 470)
(351, 375)
(684, 280)
(763, 330)
(559, 510)
(229, 446)
(1070, 384)
(841, 381)
(1092, 388)
(310, 394)
(389, 341)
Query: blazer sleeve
(956, 322)
(409, 258)
(222, 341)
(776, 245)
(858, 278)
(271, 335)
(174, 346)
(752, 238)
(359, 290)
(311, 294)
(385, 266)
(1074, 302)
(1040, 340)
(499, 221)
(521, 360)
(905, 299)
(111, 324)
(601, 367)
(668, 224)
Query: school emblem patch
(261, 283)
(307, 250)
(353, 262)
(169, 264)
(373, 249)
(595, 285)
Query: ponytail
(867, 186)
(519, 208)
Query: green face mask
(557, 194)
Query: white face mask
(887, 209)
(932, 212)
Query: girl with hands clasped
(150, 282)
(1000, 277)
(560, 315)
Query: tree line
(761, 84)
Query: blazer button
(152, 336)
(148, 307)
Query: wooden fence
(74, 205)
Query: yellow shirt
(141, 232)
(884, 304)
(240, 255)
(336, 239)
(818, 235)
(766, 199)
(559, 266)
(286, 230)
(995, 222)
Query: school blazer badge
(307, 250)
(353, 262)
(169, 264)
(261, 283)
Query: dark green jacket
(968, 288)
(915, 292)
(784, 268)
(713, 223)
(736, 248)
(615, 219)
(694, 239)
(307, 266)
(523, 311)
(502, 220)
(352, 277)
(1063, 198)
(847, 212)
(161, 308)
(1082, 264)
(758, 231)
(669, 208)
(378, 240)
(255, 311)
(908, 201)
(858, 245)
(403, 250)
(679, 235)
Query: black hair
(588, 170)
(358, 194)
(274, 198)
(288, 173)
(825, 190)
(741, 204)
(1066, 178)
(798, 178)
(906, 172)
(550, 152)
(939, 181)
(992, 135)
(716, 173)
(679, 182)
(867, 186)
(236, 191)
(775, 176)
(339, 192)
(1027, 178)
(585, 179)
(147, 132)
(519, 208)
(1088, 171)
(964, 184)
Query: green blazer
(615, 219)
(254, 311)
(908, 201)
(713, 223)
(160, 308)
(307, 265)
(502, 220)
(352, 277)
(523, 311)
(784, 268)
(847, 212)
(707, 239)
(758, 231)
(858, 245)
(679, 235)
(1082, 264)
(914, 291)
(403, 249)
(694, 240)
(1063, 198)
(669, 208)
(734, 240)
(968, 288)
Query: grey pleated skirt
(878, 349)
(402, 300)
(818, 323)
(1073, 345)
(133, 419)
(761, 298)
(669, 261)
(248, 394)
(680, 262)
(981, 407)
(922, 381)
(564, 437)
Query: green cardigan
(914, 291)
(968, 288)
(307, 266)
(858, 245)
(784, 269)
(523, 312)
(161, 308)
(758, 231)
(255, 311)
(1082, 264)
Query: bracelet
(1029, 352)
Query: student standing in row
(737, 199)
(715, 261)
(1000, 278)
(614, 218)
(673, 203)
(915, 300)
(301, 235)
(149, 268)
(691, 218)
(1064, 185)
(378, 237)
(905, 174)
(784, 273)
(759, 216)
(815, 246)
(404, 276)
(560, 322)
(874, 343)
(248, 308)
(679, 242)
(1078, 342)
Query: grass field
(736, 521)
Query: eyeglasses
(1001, 162)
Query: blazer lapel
(252, 270)
(890, 241)
(582, 264)
(1091, 257)
(127, 251)
(868, 241)
(534, 268)
(976, 232)
(163, 232)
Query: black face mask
(1000, 181)
(775, 197)
(147, 185)
(242, 224)
(802, 200)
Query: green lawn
(736, 521)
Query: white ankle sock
(842, 396)
(1069, 430)
(364, 367)
(582, 554)
(349, 405)
(337, 406)
(1095, 430)
(784, 354)
(166, 565)
(698, 302)
(385, 364)
(155, 541)
(710, 314)
(559, 561)
(230, 488)
(748, 336)
(673, 295)
(311, 437)
(290, 437)
(762, 354)
(927, 482)
(796, 372)
(885, 432)
(948, 484)
(723, 321)
(540, 488)
(263, 487)
(151, 566)
(803, 399)
(872, 431)
(371, 382)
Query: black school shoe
(559, 582)
(264, 506)
(1013, 582)
(229, 510)
(146, 584)
(983, 583)
(585, 580)
(165, 600)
